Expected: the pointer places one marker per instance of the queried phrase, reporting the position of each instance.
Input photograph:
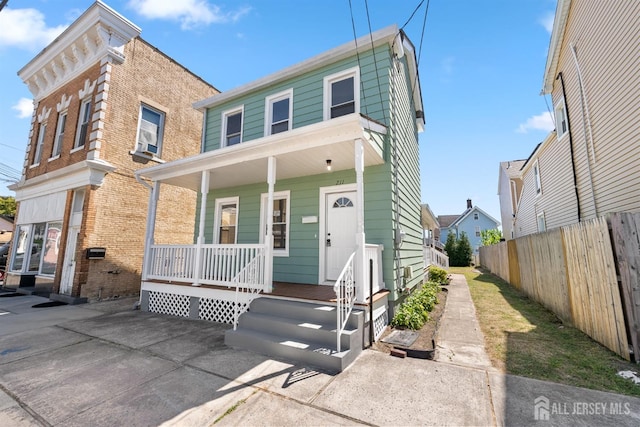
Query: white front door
(340, 230)
(69, 266)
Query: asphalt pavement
(106, 364)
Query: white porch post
(151, 225)
(363, 288)
(268, 240)
(204, 191)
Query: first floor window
(280, 229)
(227, 221)
(542, 226)
(36, 248)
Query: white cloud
(447, 65)
(547, 21)
(542, 122)
(25, 28)
(24, 108)
(190, 13)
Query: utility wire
(375, 64)
(424, 25)
(411, 17)
(355, 40)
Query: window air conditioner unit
(148, 139)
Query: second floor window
(278, 112)
(341, 93)
(232, 127)
(150, 130)
(57, 142)
(536, 175)
(83, 123)
(562, 124)
(39, 144)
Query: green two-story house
(309, 192)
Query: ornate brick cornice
(98, 33)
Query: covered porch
(235, 274)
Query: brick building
(106, 103)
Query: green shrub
(414, 312)
(437, 274)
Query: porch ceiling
(300, 152)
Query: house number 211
(340, 182)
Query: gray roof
(447, 220)
(513, 167)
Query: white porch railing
(435, 257)
(225, 265)
(345, 297)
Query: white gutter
(585, 105)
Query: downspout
(573, 161)
(396, 196)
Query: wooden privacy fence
(576, 272)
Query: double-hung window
(542, 226)
(562, 124)
(278, 110)
(150, 130)
(226, 231)
(57, 141)
(38, 154)
(280, 230)
(232, 127)
(342, 93)
(83, 123)
(536, 176)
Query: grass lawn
(524, 338)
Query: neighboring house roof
(557, 35)
(429, 220)
(513, 167)
(446, 220)
(468, 212)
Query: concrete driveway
(105, 364)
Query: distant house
(6, 228)
(430, 225)
(590, 165)
(509, 191)
(308, 186)
(106, 103)
(472, 221)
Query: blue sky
(481, 69)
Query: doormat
(403, 338)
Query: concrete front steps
(301, 332)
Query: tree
(450, 246)
(490, 237)
(463, 251)
(7, 205)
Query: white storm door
(340, 239)
(69, 266)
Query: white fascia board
(557, 35)
(97, 13)
(378, 38)
(351, 126)
(86, 172)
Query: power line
(375, 63)
(355, 40)
(411, 17)
(424, 25)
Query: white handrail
(345, 297)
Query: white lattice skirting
(380, 321)
(219, 310)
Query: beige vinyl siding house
(509, 191)
(595, 54)
(548, 199)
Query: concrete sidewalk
(105, 364)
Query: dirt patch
(426, 334)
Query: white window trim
(560, 106)
(225, 114)
(57, 144)
(26, 260)
(268, 110)
(536, 178)
(137, 148)
(76, 145)
(544, 222)
(37, 156)
(263, 219)
(478, 231)
(328, 80)
(476, 216)
(218, 216)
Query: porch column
(151, 225)
(362, 287)
(268, 240)
(204, 191)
